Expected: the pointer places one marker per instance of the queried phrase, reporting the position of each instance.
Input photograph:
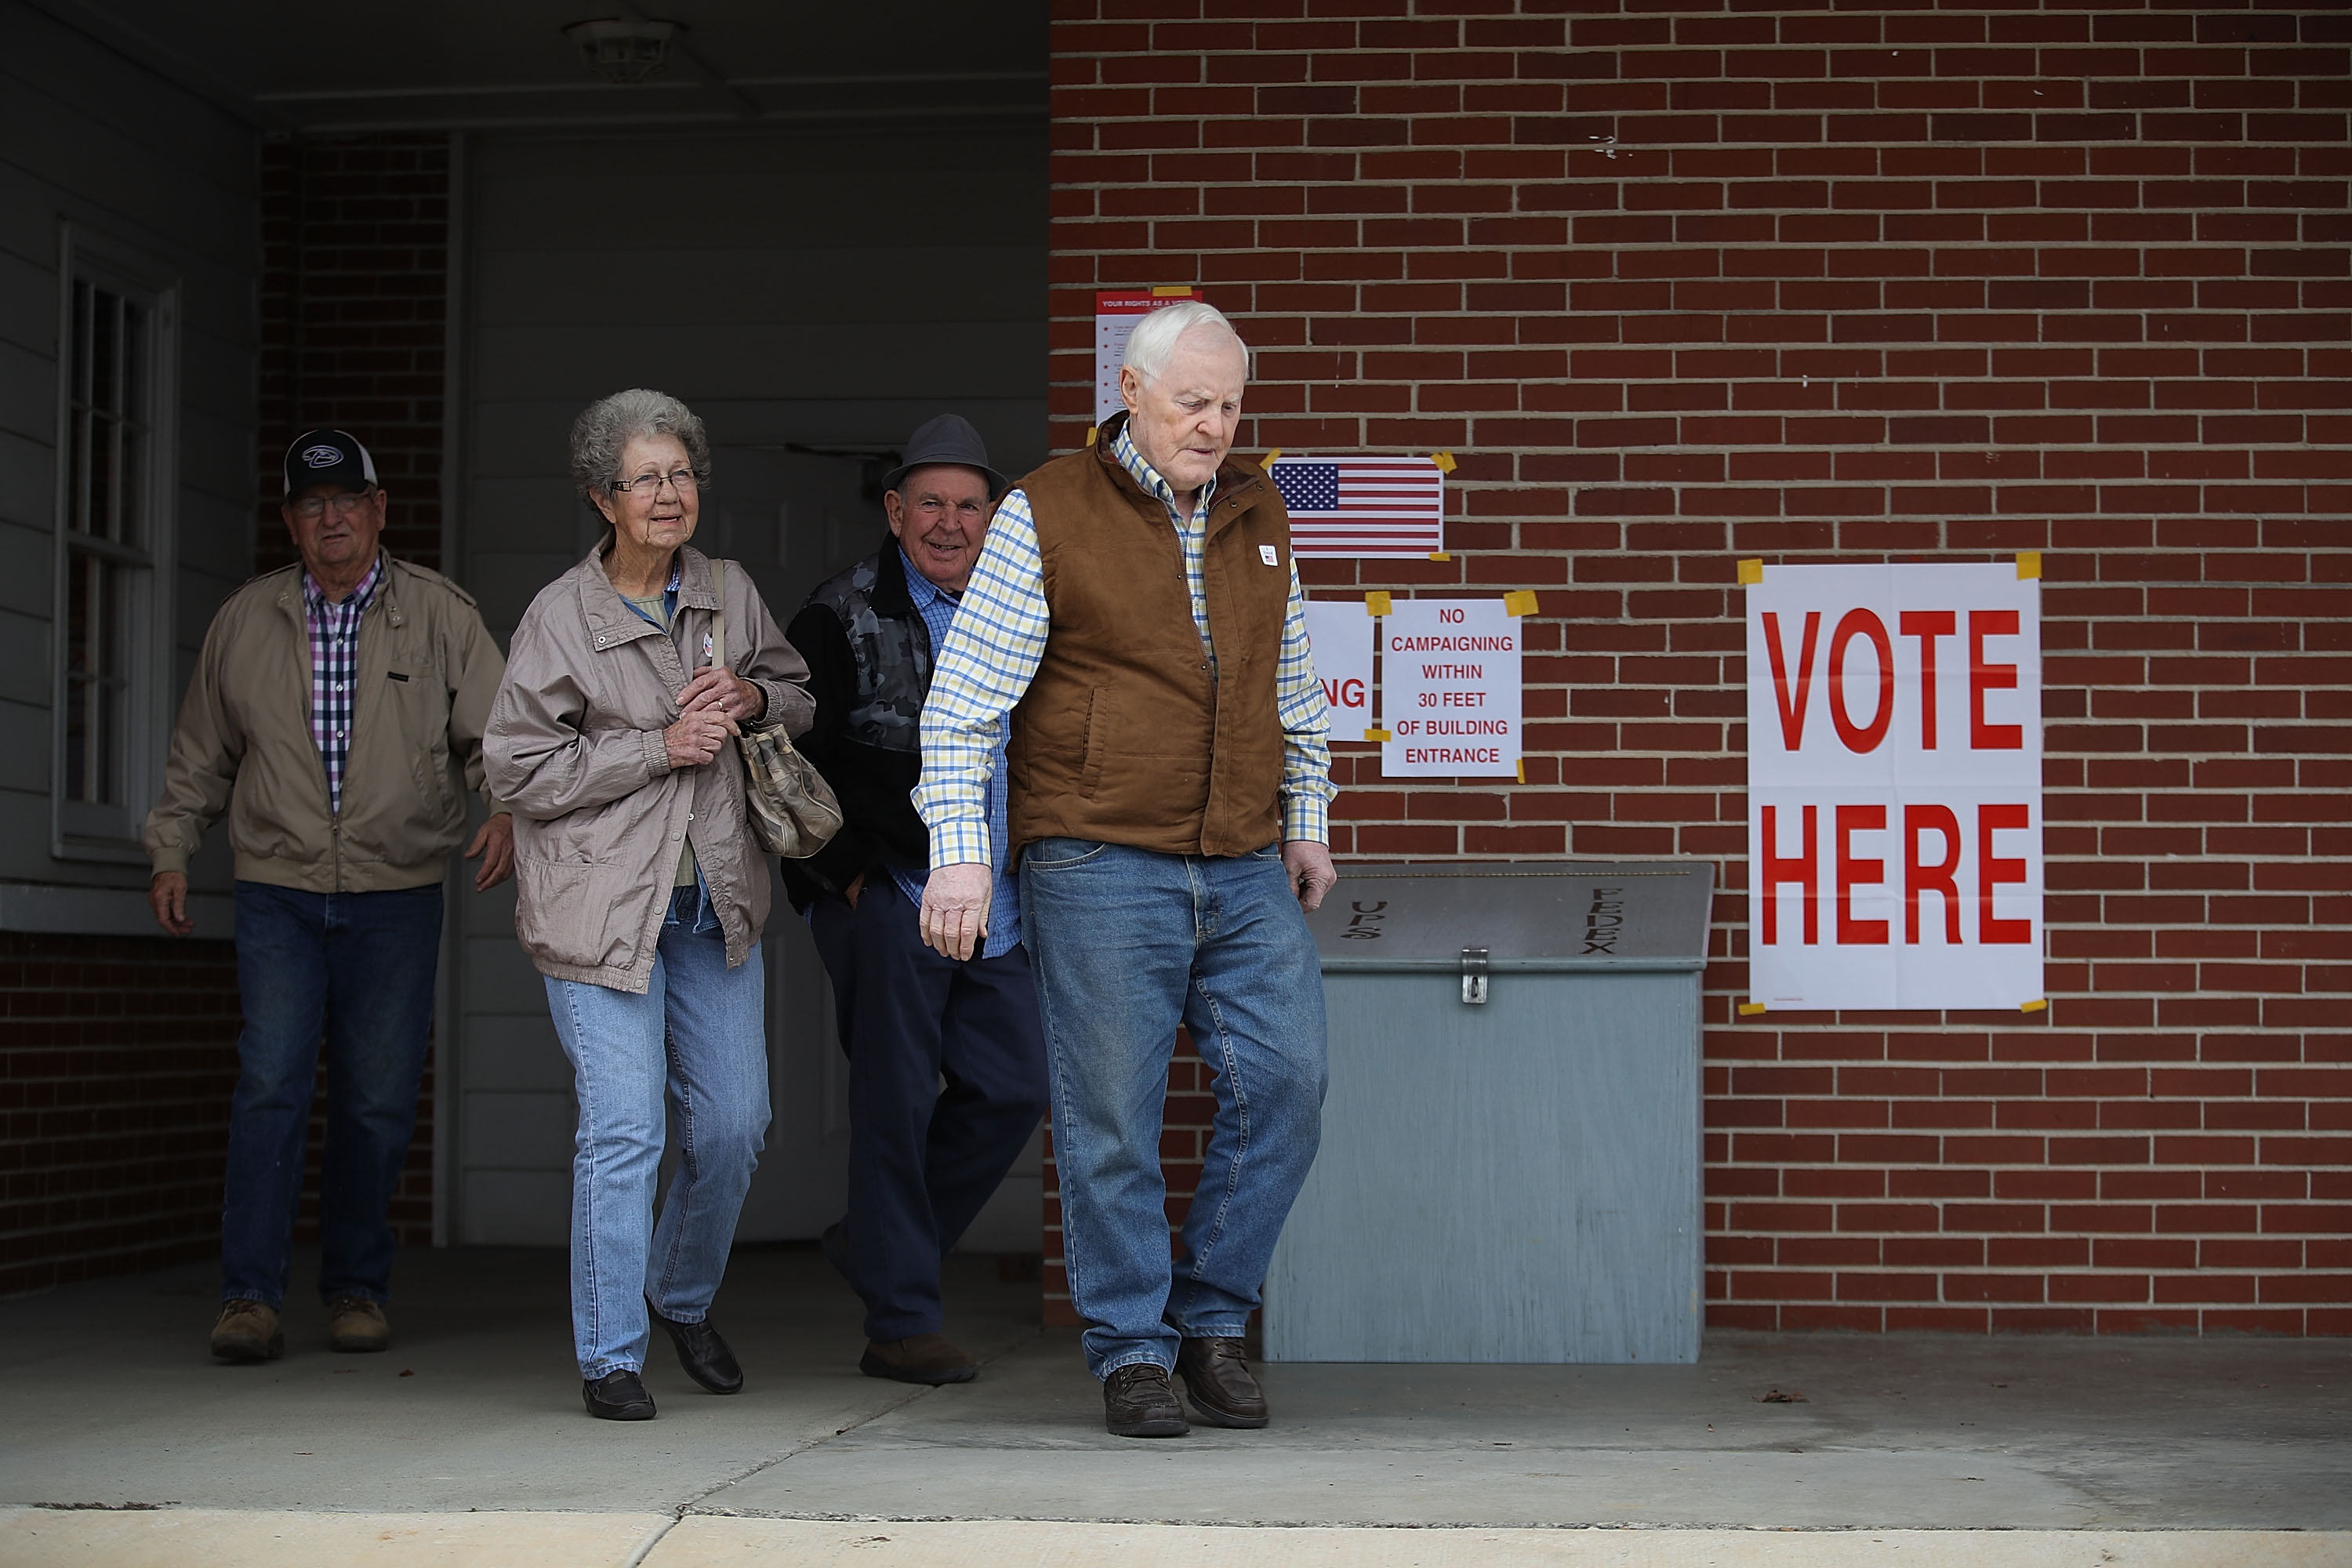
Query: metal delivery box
(1510, 1161)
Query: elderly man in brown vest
(1135, 617)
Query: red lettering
(1851, 871)
(1799, 870)
(1994, 870)
(1861, 623)
(1928, 625)
(1984, 678)
(1793, 715)
(1918, 877)
(1341, 693)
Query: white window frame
(83, 829)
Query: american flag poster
(1362, 506)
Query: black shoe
(1138, 1403)
(1222, 1390)
(703, 1353)
(618, 1396)
(835, 1245)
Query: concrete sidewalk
(467, 1443)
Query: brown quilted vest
(1124, 735)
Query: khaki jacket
(576, 744)
(426, 671)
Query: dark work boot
(1223, 1390)
(1138, 1403)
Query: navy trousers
(923, 1158)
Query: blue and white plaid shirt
(938, 609)
(985, 665)
(334, 670)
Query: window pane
(103, 457)
(94, 680)
(104, 344)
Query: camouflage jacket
(869, 659)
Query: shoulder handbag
(792, 810)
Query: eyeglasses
(679, 480)
(310, 509)
(932, 508)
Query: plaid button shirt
(334, 669)
(986, 663)
(938, 609)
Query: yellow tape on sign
(2028, 565)
(1522, 766)
(1749, 1009)
(1752, 570)
(1438, 555)
(1267, 462)
(1378, 735)
(1171, 290)
(1519, 602)
(1091, 434)
(1376, 602)
(1445, 461)
(2040, 1004)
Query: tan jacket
(1124, 735)
(576, 744)
(427, 672)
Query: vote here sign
(1894, 787)
(1450, 689)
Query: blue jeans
(699, 1037)
(355, 969)
(923, 1160)
(1129, 943)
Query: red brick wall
(355, 293)
(1680, 284)
(116, 1063)
(355, 235)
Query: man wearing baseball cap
(334, 708)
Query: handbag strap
(719, 619)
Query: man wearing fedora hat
(923, 1159)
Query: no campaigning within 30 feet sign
(1895, 786)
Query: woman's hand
(697, 736)
(725, 691)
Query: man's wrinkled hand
(955, 908)
(1312, 874)
(167, 895)
(495, 844)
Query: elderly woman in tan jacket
(640, 890)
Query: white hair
(1155, 336)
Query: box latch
(1473, 975)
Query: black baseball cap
(328, 457)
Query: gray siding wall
(88, 137)
(812, 290)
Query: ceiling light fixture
(624, 52)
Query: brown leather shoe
(1223, 1389)
(919, 1358)
(1138, 1403)
(357, 1324)
(247, 1331)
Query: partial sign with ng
(1894, 787)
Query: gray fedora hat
(950, 438)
